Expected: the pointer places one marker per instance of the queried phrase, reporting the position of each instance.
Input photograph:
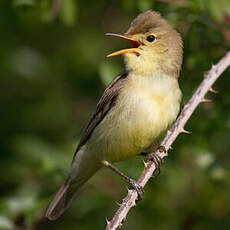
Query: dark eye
(150, 38)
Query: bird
(135, 108)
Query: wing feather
(104, 105)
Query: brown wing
(103, 107)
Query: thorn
(213, 90)
(118, 203)
(206, 100)
(185, 131)
(145, 163)
(107, 221)
(122, 222)
(124, 218)
(128, 189)
(213, 66)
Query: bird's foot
(133, 184)
(157, 160)
(162, 149)
(137, 187)
(152, 156)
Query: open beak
(135, 45)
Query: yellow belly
(142, 111)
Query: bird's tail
(61, 200)
(82, 168)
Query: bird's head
(156, 46)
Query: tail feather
(61, 201)
(82, 168)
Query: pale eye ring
(151, 38)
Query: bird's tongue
(135, 44)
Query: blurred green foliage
(52, 72)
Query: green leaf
(68, 12)
(145, 4)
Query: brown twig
(199, 96)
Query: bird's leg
(134, 184)
(152, 156)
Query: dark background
(53, 70)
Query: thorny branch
(199, 96)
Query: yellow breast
(144, 108)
